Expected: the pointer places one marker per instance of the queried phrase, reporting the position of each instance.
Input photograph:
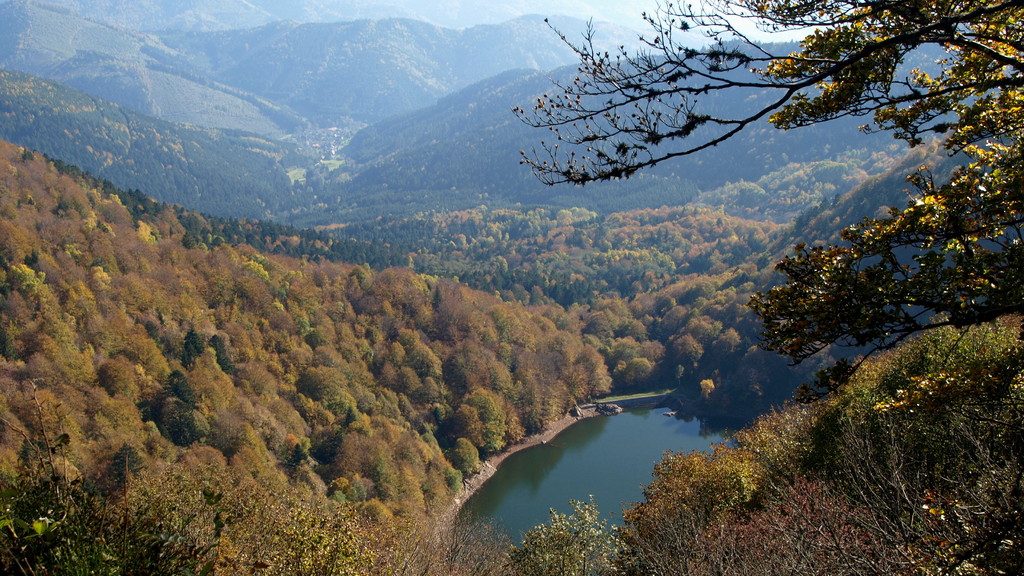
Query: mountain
(133, 69)
(234, 14)
(366, 70)
(463, 152)
(431, 145)
(271, 80)
(221, 172)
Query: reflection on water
(610, 458)
(528, 470)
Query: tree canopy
(952, 256)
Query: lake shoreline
(490, 466)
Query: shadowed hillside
(225, 173)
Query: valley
(265, 268)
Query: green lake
(608, 457)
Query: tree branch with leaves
(952, 256)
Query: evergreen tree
(193, 348)
(220, 347)
(126, 462)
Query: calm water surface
(609, 457)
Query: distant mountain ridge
(367, 70)
(207, 15)
(462, 152)
(130, 68)
(272, 79)
(410, 117)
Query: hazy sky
(628, 12)
(219, 14)
(468, 12)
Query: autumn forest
(266, 314)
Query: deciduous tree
(578, 544)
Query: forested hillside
(226, 173)
(648, 276)
(132, 335)
(662, 292)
